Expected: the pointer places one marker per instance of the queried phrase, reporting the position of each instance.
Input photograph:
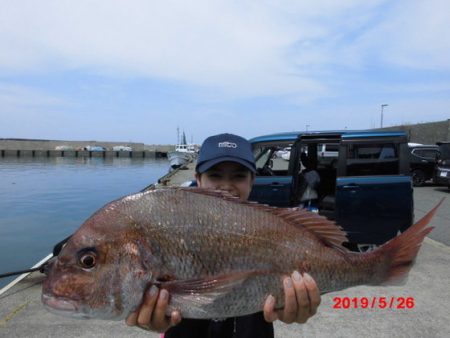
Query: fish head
(102, 271)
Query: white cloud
(411, 34)
(312, 57)
(20, 97)
(247, 47)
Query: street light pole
(382, 108)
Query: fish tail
(401, 251)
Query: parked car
(94, 148)
(442, 174)
(121, 148)
(367, 189)
(422, 162)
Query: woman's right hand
(151, 314)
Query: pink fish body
(217, 256)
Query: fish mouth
(58, 304)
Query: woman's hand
(151, 314)
(301, 300)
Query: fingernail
(164, 294)
(297, 276)
(175, 317)
(270, 300)
(153, 291)
(288, 282)
(307, 277)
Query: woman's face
(229, 176)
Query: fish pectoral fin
(200, 292)
(214, 285)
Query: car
(367, 188)
(422, 162)
(442, 173)
(122, 148)
(94, 148)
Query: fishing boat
(182, 154)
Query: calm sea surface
(44, 200)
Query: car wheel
(418, 178)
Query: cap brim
(205, 166)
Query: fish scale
(216, 255)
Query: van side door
(374, 195)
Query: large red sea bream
(216, 255)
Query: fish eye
(87, 259)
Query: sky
(136, 70)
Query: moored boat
(182, 154)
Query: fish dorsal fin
(325, 230)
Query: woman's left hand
(301, 300)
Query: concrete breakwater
(57, 148)
(82, 153)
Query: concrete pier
(81, 153)
(59, 148)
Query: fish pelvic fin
(403, 249)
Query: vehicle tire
(418, 178)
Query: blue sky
(136, 70)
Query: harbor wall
(48, 148)
(82, 153)
(425, 133)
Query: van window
(272, 159)
(372, 159)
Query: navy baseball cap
(225, 148)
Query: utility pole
(382, 109)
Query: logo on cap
(227, 144)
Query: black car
(422, 162)
(442, 175)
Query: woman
(226, 162)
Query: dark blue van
(365, 183)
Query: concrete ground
(428, 290)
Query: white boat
(182, 154)
(178, 158)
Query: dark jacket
(250, 326)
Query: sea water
(44, 200)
